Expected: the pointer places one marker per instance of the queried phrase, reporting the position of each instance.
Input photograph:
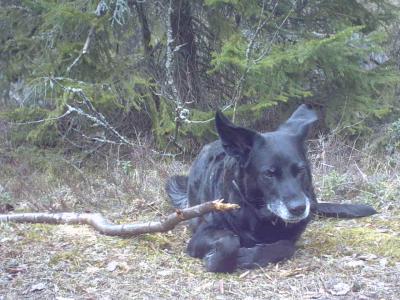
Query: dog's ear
(236, 141)
(300, 121)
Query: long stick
(98, 222)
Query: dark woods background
(90, 75)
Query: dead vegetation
(336, 259)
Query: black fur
(176, 189)
(344, 210)
(269, 176)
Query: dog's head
(276, 175)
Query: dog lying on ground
(269, 176)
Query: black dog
(269, 176)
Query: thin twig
(248, 63)
(43, 120)
(266, 52)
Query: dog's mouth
(279, 209)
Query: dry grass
(337, 259)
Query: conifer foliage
(92, 73)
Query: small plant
(5, 197)
(332, 184)
(126, 167)
(393, 142)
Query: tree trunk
(185, 63)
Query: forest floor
(336, 259)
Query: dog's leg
(261, 255)
(218, 249)
(337, 210)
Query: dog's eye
(300, 169)
(270, 173)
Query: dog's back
(204, 181)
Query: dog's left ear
(236, 141)
(300, 121)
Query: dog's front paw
(223, 257)
(261, 255)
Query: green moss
(157, 240)
(163, 125)
(333, 240)
(376, 242)
(122, 243)
(72, 257)
(37, 232)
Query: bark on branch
(102, 225)
(84, 49)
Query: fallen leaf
(165, 273)
(111, 266)
(91, 270)
(37, 287)
(114, 265)
(16, 269)
(383, 262)
(354, 264)
(367, 257)
(340, 289)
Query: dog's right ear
(236, 141)
(300, 121)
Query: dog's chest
(267, 232)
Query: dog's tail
(337, 210)
(176, 188)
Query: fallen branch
(98, 222)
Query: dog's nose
(297, 207)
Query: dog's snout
(297, 207)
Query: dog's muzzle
(293, 212)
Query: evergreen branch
(44, 120)
(101, 9)
(121, 7)
(249, 51)
(266, 52)
(84, 49)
